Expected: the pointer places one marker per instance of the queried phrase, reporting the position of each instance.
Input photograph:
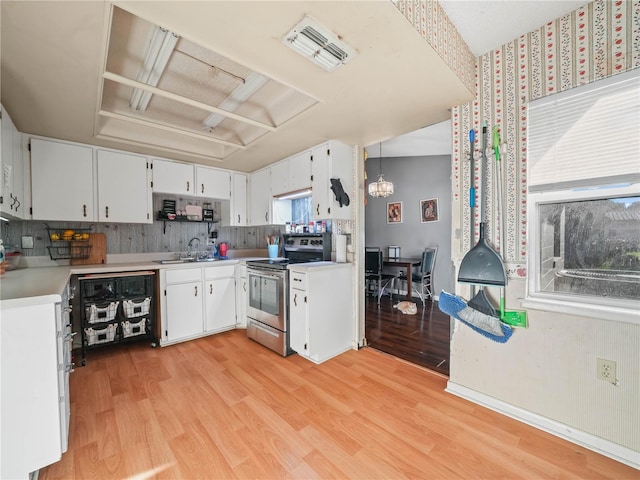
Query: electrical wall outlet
(606, 370)
(26, 241)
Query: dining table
(403, 262)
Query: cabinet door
(280, 178)
(220, 304)
(241, 296)
(298, 321)
(300, 171)
(11, 174)
(321, 183)
(123, 190)
(332, 160)
(184, 310)
(260, 197)
(62, 181)
(29, 390)
(18, 202)
(239, 200)
(173, 177)
(213, 183)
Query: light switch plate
(27, 241)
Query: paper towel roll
(341, 248)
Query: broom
(486, 325)
(482, 265)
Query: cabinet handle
(106, 210)
(196, 291)
(17, 206)
(266, 216)
(297, 279)
(244, 286)
(84, 210)
(238, 218)
(187, 185)
(202, 187)
(318, 209)
(295, 299)
(211, 289)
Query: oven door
(268, 297)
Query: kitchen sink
(185, 260)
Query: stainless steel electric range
(268, 299)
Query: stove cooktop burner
(280, 263)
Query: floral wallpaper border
(430, 20)
(596, 41)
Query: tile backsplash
(158, 236)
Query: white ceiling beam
(168, 128)
(187, 101)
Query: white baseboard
(592, 442)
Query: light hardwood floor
(225, 407)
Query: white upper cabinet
(332, 160)
(213, 183)
(173, 177)
(292, 174)
(300, 171)
(123, 188)
(239, 200)
(12, 174)
(280, 178)
(260, 197)
(62, 181)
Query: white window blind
(588, 136)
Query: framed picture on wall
(394, 212)
(429, 210)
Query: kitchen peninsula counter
(37, 285)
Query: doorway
(420, 177)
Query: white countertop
(306, 266)
(37, 285)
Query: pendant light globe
(380, 188)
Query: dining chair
(376, 280)
(424, 276)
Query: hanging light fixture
(380, 188)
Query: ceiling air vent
(318, 44)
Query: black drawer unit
(116, 308)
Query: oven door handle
(265, 275)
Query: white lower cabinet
(182, 304)
(197, 301)
(220, 298)
(241, 296)
(34, 389)
(321, 322)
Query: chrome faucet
(190, 245)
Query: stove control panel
(318, 244)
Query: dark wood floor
(422, 339)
